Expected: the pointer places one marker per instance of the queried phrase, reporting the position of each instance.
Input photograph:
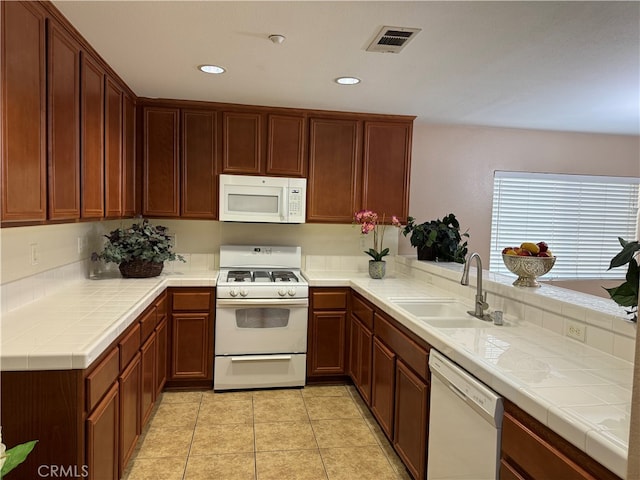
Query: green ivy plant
(626, 294)
(141, 241)
(444, 235)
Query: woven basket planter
(141, 269)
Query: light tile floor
(315, 433)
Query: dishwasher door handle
(458, 392)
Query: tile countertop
(581, 393)
(71, 328)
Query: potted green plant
(139, 250)
(437, 239)
(626, 294)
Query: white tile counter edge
(97, 311)
(607, 447)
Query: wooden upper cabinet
(63, 72)
(92, 131)
(199, 157)
(23, 112)
(128, 157)
(286, 145)
(334, 170)
(387, 153)
(243, 143)
(161, 162)
(113, 148)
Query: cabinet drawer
(161, 306)
(148, 322)
(191, 301)
(129, 345)
(413, 355)
(362, 311)
(101, 378)
(329, 300)
(534, 455)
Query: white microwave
(245, 198)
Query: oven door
(261, 326)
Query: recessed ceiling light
(347, 80)
(211, 69)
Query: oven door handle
(260, 358)
(266, 302)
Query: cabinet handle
(260, 358)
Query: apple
(506, 250)
(542, 246)
(524, 253)
(544, 254)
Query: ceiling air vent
(392, 39)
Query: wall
(452, 170)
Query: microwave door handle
(284, 202)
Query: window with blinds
(580, 217)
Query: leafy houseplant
(140, 250)
(440, 238)
(626, 294)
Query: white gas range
(261, 318)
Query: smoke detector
(392, 39)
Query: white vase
(377, 269)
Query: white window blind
(580, 217)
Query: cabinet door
(102, 438)
(148, 384)
(160, 162)
(199, 156)
(24, 171)
(191, 347)
(286, 142)
(92, 132)
(361, 340)
(161, 355)
(63, 124)
(242, 143)
(326, 346)
(387, 153)
(129, 383)
(113, 149)
(129, 157)
(410, 428)
(334, 170)
(383, 385)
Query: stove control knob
(292, 292)
(244, 292)
(282, 292)
(233, 292)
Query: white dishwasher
(465, 423)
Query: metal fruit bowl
(528, 268)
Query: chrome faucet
(481, 298)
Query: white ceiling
(571, 66)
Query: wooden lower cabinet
(410, 428)
(326, 345)
(148, 383)
(190, 338)
(102, 438)
(531, 451)
(161, 355)
(383, 386)
(129, 384)
(361, 343)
